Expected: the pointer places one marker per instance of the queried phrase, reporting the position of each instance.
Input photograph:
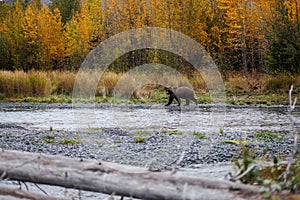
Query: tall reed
(46, 83)
(21, 84)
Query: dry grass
(107, 83)
(250, 83)
(40, 83)
(62, 82)
(142, 85)
(281, 83)
(20, 84)
(198, 83)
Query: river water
(206, 119)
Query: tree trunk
(112, 178)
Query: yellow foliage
(12, 30)
(228, 28)
(293, 7)
(30, 26)
(51, 35)
(78, 33)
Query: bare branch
(178, 161)
(36, 185)
(238, 177)
(17, 193)
(295, 147)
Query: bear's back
(184, 92)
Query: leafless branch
(21, 194)
(178, 162)
(36, 185)
(295, 147)
(239, 176)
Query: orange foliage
(232, 30)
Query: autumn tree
(78, 36)
(237, 33)
(97, 20)
(195, 20)
(51, 35)
(5, 53)
(11, 36)
(254, 35)
(32, 38)
(230, 30)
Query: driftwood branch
(21, 194)
(295, 133)
(111, 178)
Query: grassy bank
(56, 86)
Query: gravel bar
(157, 150)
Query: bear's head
(169, 90)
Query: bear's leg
(187, 101)
(195, 100)
(171, 97)
(178, 100)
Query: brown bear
(180, 92)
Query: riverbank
(256, 100)
(57, 86)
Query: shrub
(240, 83)
(107, 83)
(41, 85)
(16, 84)
(279, 83)
(62, 82)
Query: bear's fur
(181, 93)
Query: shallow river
(151, 117)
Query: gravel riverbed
(155, 149)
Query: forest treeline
(262, 35)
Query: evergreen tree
(67, 8)
(284, 50)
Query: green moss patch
(268, 135)
(199, 135)
(170, 132)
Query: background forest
(257, 39)
(239, 34)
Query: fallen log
(112, 178)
